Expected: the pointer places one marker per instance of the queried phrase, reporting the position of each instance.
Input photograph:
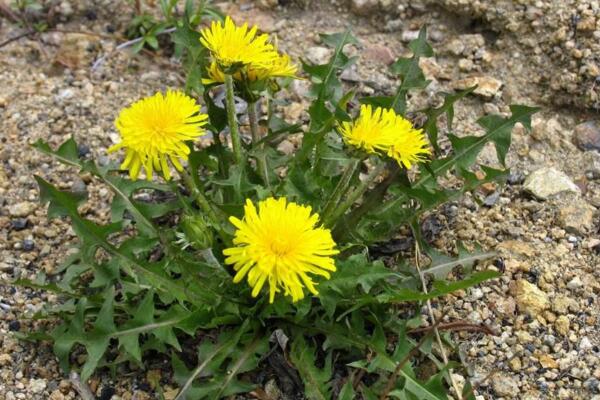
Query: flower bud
(197, 231)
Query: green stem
(204, 204)
(231, 118)
(371, 200)
(199, 197)
(339, 191)
(261, 159)
(353, 196)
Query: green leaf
(440, 288)
(316, 381)
(97, 341)
(210, 356)
(441, 265)
(352, 272)
(395, 212)
(95, 236)
(67, 154)
(327, 89)
(243, 362)
(409, 71)
(347, 391)
(447, 108)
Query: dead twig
(14, 38)
(394, 377)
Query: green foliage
(152, 280)
(144, 29)
(316, 380)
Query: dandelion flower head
(383, 131)
(249, 53)
(154, 131)
(279, 244)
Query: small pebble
(14, 326)
(19, 224)
(28, 245)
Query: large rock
(530, 299)
(587, 135)
(487, 86)
(577, 217)
(547, 182)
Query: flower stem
(231, 118)
(204, 204)
(339, 191)
(261, 160)
(353, 196)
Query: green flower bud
(197, 231)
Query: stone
(409, 36)
(150, 76)
(286, 147)
(37, 385)
(379, 54)
(563, 304)
(465, 64)
(28, 245)
(431, 69)
(21, 209)
(562, 325)
(318, 55)
(505, 385)
(456, 47)
(575, 283)
(487, 86)
(585, 344)
(543, 129)
(363, 7)
(577, 217)
(19, 224)
(586, 135)
(547, 182)
(517, 249)
(515, 364)
(547, 362)
(56, 395)
(5, 359)
(530, 299)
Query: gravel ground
(544, 222)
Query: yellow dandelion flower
(384, 131)
(280, 244)
(155, 129)
(232, 45)
(280, 68)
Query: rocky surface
(557, 42)
(544, 308)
